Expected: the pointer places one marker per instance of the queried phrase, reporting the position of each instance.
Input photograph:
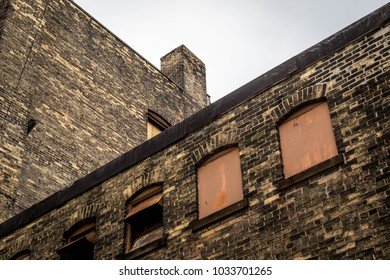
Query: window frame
(332, 159)
(155, 121)
(306, 139)
(235, 205)
(81, 234)
(22, 255)
(149, 199)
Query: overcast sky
(238, 40)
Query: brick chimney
(189, 72)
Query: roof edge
(122, 42)
(177, 132)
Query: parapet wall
(338, 211)
(73, 97)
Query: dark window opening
(144, 219)
(80, 242)
(22, 255)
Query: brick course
(87, 91)
(338, 212)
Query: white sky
(238, 40)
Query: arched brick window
(22, 255)
(307, 139)
(145, 220)
(79, 241)
(219, 182)
(156, 124)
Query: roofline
(123, 42)
(196, 121)
(183, 47)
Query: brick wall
(3, 11)
(189, 72)
(86, 90)
(337, 212)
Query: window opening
(80, 242)
(22, 255)
(307, 139)
(219, 182)
(156, 124)
(144, 218)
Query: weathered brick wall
(339, 213)
(14, 104)
(87, 91)
(3, 11)
(189, 72)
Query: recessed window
(80, 242)
(22, 255)
(156, 124)
(219, 182)
(144, 219)
(307, 139)
(153, 129)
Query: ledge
(221, 214)
(336, 160)
(144, 250)
(179, 131)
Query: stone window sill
(336, 160)
(144, 250)
(221, 214)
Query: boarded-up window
(80, 242)
(307, 139)
(219, 182)
(156, 124)
(144, 219)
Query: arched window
(307, 139)
(80, 241)
(144, 219)
(156, 124)
(22, 255)
(219, 182)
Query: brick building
(73, 97)
(292, 165)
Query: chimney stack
(188, 72)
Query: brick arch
(26, 252)
(214, 145)
(88, 212)
(149, 177)
(152, 177)
(20, 246)
(297, 100)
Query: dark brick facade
(338, 209)
(87, 93)
(189, 72)
(3, 11)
